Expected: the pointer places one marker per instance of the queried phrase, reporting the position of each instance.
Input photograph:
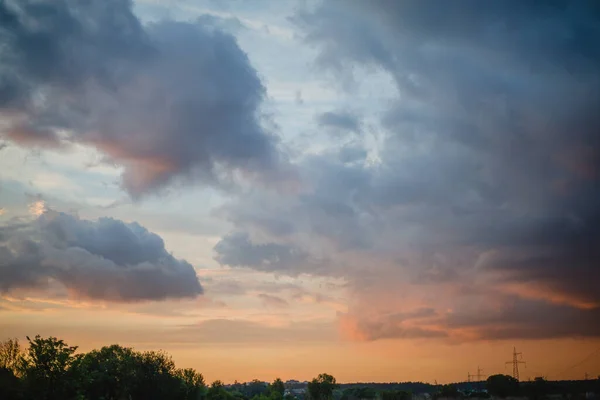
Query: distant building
(297, 392)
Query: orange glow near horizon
(230, 348)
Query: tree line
(50, 369)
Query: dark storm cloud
(65, 43)
(521, 144)
(167, 102)
(105, 259)
(527, 319)
(488, 169)
(341, 120)
(571, 270)
(401, 37)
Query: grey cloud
(495, 134)
(401, 36)
(342, 120)
(352, 153)
(105, 259)
(571, 270)
(277, 289)
(527, 319)
(330, 210)
(492, 147)
(238, 250)
(168, 102)
(57, 43)
(511, 318)
(230, 24)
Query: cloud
(273, 301)
(520, 318)
(341, 120)
(497, 316)
(105, 259)
(362, 330)
(485, 177)
(228, 24)
(237, 250)
(559, 270)
(167, 102)
(28, 135)
(37, 208)
(390, 327)
(326, 210)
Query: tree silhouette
(321, 387)
(10, 355)
(502, 385)
(277, 386)
(45, 368)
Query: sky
(380, 190)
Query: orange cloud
(539, 292)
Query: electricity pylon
(517, 357)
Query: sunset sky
(380, 190)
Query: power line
(588, 357)
(516, 360)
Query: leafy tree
(217, 385)
(49, 369)
(193, 383)
(395, 395)
(502, 385)
(277, 387)
(10, 355)
(448, 391)
(45, 368)
(217, 392)
(321, 387)
(10, 359)
(106, 374)
(155, 377)
(255, 388)
(538, 389)
(358, 393)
